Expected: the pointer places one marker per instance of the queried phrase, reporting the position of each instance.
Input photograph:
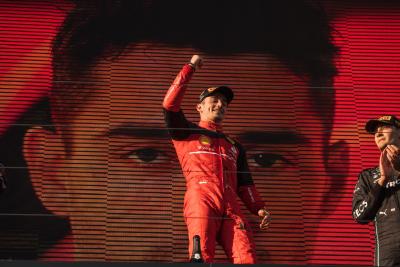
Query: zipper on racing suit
(221, 166)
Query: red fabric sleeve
(251, 198)
(174, 96)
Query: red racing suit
(216, 172)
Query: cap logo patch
(385, 118)
(212, 89)
(205, 140)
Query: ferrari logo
(205, 140)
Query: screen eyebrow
(264, 137)
(138, 131)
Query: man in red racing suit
(216, 172)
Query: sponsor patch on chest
(205, 140)
(375, 174)
(393, 183)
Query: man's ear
(198, 107)
(44, 153)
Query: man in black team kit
(376, 196)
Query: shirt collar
(210, 125)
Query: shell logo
(205, 140)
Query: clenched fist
(266, 219)
(196, 61)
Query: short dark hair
(297, 32)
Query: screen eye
(266, 159)
(146, 155)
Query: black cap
(225, 90)
(371, 125)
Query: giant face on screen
(109, 165)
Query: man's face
(386, 135)
(123, 186)
(213, 108)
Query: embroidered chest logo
(205, 140)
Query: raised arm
(174, 118)
(368, 195)
(174, 96)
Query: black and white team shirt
(381, 204)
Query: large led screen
(91, 171)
